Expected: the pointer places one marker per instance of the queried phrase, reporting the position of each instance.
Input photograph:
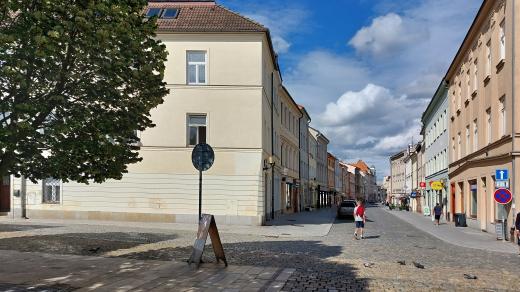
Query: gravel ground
(334, 262)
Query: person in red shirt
(360, 219)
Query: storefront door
(5, 196)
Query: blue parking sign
(501, 174)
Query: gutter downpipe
(272, 146)
(513, 111)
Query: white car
(346, 208)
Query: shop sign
(436, 185)
(422, 185)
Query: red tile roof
(204, 16)
(362, 166)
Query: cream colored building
(397, 177)
(225, 89)
(313, 175)
(290, 152)
(484, 126)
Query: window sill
(486, 80)
(500, 65)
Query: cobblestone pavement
(334, 262)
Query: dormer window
(153, 12)
(166, 13)
(170, 13)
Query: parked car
(346, 208)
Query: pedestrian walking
(360, 219)
(437, 211)
(517, 231)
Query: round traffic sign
(503, 196)
(202, 157)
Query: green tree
(78, 79)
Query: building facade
(484, 128)
(305, 187)
(313, 173)
(436, 134)
(290, 153)
(224, 82)
(321, 166)
(397, 178)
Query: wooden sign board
(207, 225)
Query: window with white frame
(502, 39)
(196, 129)
(502, 112)
(51, 193)
(196, 67)
(475, 136)
(488, 56)
(488, 126)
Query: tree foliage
(78, 78)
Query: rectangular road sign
(502, 184)
(501, 174)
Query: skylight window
(170, 13)
(153, 12)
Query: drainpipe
(513, 187)
(272, 146)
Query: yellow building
(225, 90)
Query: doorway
(452, 202)
(5, 195)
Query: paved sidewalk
(45, 272)
(460, 236)
(305, 224)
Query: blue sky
(364, 69)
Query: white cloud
(388, 34)
(282, 22)
(320, 77)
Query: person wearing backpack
(359, 218)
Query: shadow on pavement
(309, 258)
(15, 227)
(320, 216)
(89, 244)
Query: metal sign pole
(200, 195)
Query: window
(453, 157)
(474, 199)
(170, 13)
(488, 126)
(475, 136)
(467, 140)
(475, 75)
(196, 67)
(460, 96)
(51, 191)
(153, 12)
(196, 129)
(488, 56)
(468, 85)
(502, 121)
(502, 40)
(458, 147)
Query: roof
(204, 16)
(197, 16)
(304, 111)
(362, 166)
